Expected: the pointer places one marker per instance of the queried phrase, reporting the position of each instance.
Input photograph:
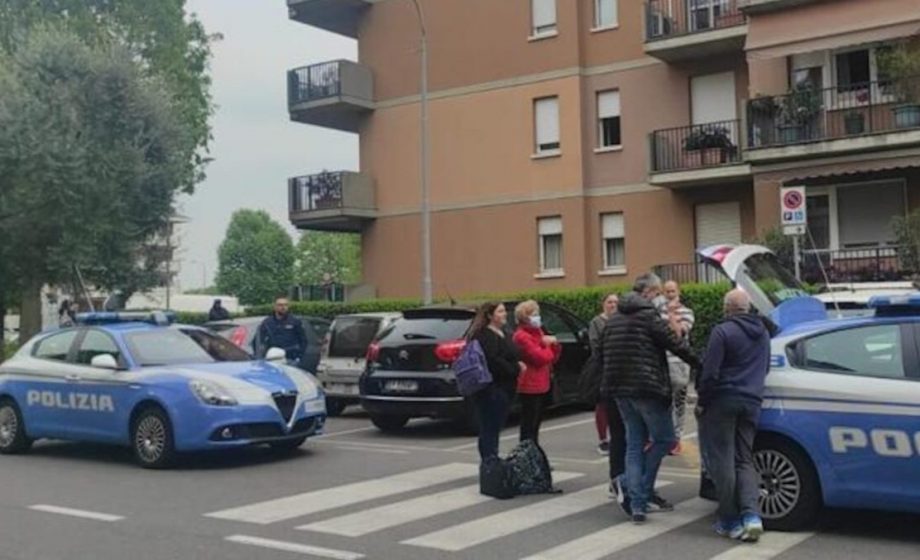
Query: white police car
(134, 379)
(840, 425)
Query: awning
(818, 170)
(766, 47)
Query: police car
(137, 380)
(840, 425)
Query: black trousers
(531, 415)
(617, 440)
(492, 404)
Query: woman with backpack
(493, 402)
(539, 352)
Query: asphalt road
(357, 493)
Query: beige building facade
(582, 142)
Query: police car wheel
(335, 407)
(12, 429)
(152, 439)
(389, 423)
(790, 493)
(287, 446)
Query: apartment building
(582, 142)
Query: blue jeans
(646, 420)
(491, 406)
(727, 429)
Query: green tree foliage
(256, 259)
(337, 255)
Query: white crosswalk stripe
(770, 546)
(290, 507)
(408, 511)
(620, 537)
(502, 524)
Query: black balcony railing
(312, 83)
(671, 18)
(696, 147)
(876, 264)
(316, 192)
(809, 114)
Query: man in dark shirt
(218, 312)
(282, 330)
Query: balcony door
(704, 14)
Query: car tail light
(373, 352)
(448, 352)
(239, 336)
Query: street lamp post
(427, 295)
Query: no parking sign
(794, 210)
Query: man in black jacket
(632, 353)
(282, 330)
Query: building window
(550, 232)
(605, 14)
(853, 69)
(608, 117)
(544, 17)
(614, 234)
(546, 121)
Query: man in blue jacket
(282, 330)
(730, 391)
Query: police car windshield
(165, 347)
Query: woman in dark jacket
(493, 402)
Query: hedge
(704, 299)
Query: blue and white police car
(137, 380)
(840, 425)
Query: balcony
(697, 155)
(677, 30)
(753, 7)
(337, 16)
(856, 118)
(332, 94)
(341, 201)
(874, 264)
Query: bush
(7, 349)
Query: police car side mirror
(104, 361)
(275, 355)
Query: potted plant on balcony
(717, 146)
(799, 110)
(901, 65)
(854, 123)
(326, 191)
(693, 148)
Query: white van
(343, 357)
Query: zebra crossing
(366, 519)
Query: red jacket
(539, 359)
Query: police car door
(858, 398)
(41, 385)
(101, 397)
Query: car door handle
(73, 378)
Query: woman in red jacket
(538, 352)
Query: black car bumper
(415, 407)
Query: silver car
(343, 357)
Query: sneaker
(639, 518)
(732, 530)
(622, 496)
(603, 448)
(753, 528)
(658, 504)
(677, 449)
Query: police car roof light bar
(896, 305)
(159, 318)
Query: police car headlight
(212, 393)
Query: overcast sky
(256, 147)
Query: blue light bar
(159, 318)
(906, 304)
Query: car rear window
(430, 328)
(352, 335)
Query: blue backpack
(471, 370)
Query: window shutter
(550, 226)
(544, 13)
(547, 121)
(606, 15)
(613, 226)
(608, 104)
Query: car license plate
(401, 387)
(342, 389)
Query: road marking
(683, 473)
(515, 434)
(345, 432)
(308, 503)
(77, 513)
(295, 547)
(770, 546)
(534, 514)
(624, 535)
(400, 513)
(372, 449)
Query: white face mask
(536, 321)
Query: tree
(256, 258)
(93, 150)
(337, 255)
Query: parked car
(408, 373)
(343, 357)
(242, 332)
(852, 300)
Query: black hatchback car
(408, 373)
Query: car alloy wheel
(150, 439)
(780, 483)
(9, 426)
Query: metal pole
(427, 295)
(796, 257)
